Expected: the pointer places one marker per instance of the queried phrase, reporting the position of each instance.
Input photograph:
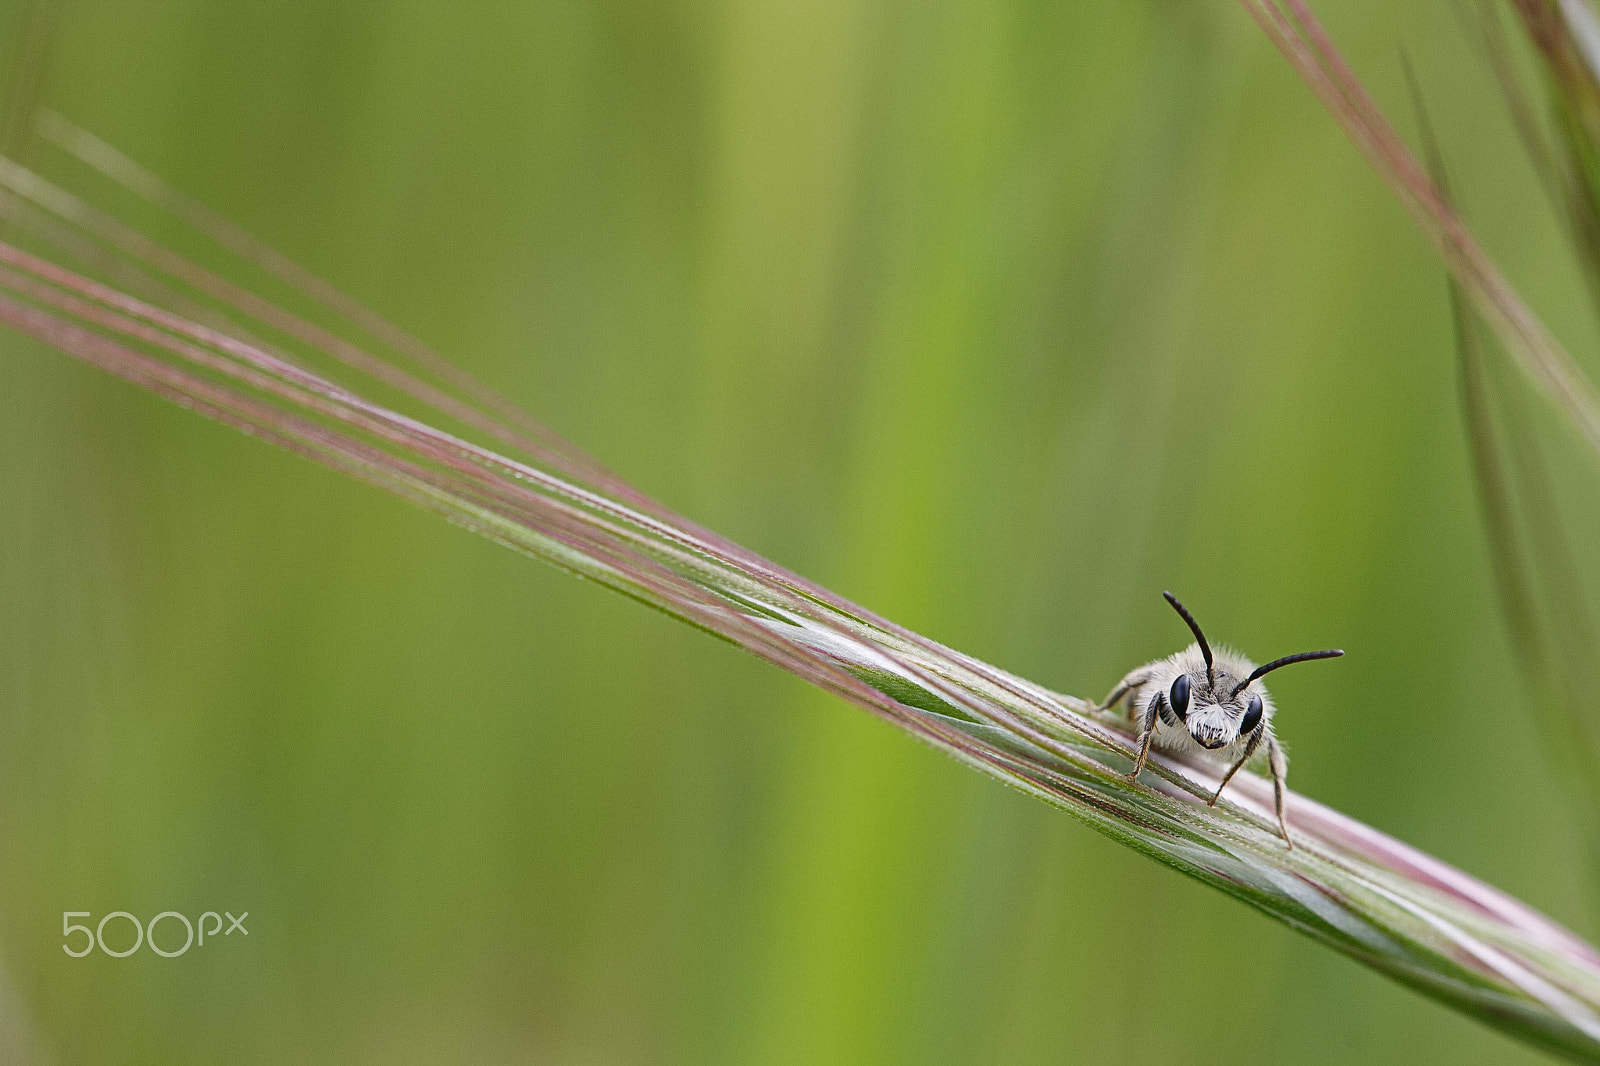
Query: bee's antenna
(1305, 656)
(1205, 649)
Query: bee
(1209, 706)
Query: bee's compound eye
(1180, 696)
(1252, 715)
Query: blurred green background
(998, 316)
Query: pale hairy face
(1206, 707)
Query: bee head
(1217, 708)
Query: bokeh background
(999, 316)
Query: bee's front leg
(1147, 733)
(1249, 750)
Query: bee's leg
(1147, 732)
(1126, 685)
(1280, 770)
(1249, 750)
